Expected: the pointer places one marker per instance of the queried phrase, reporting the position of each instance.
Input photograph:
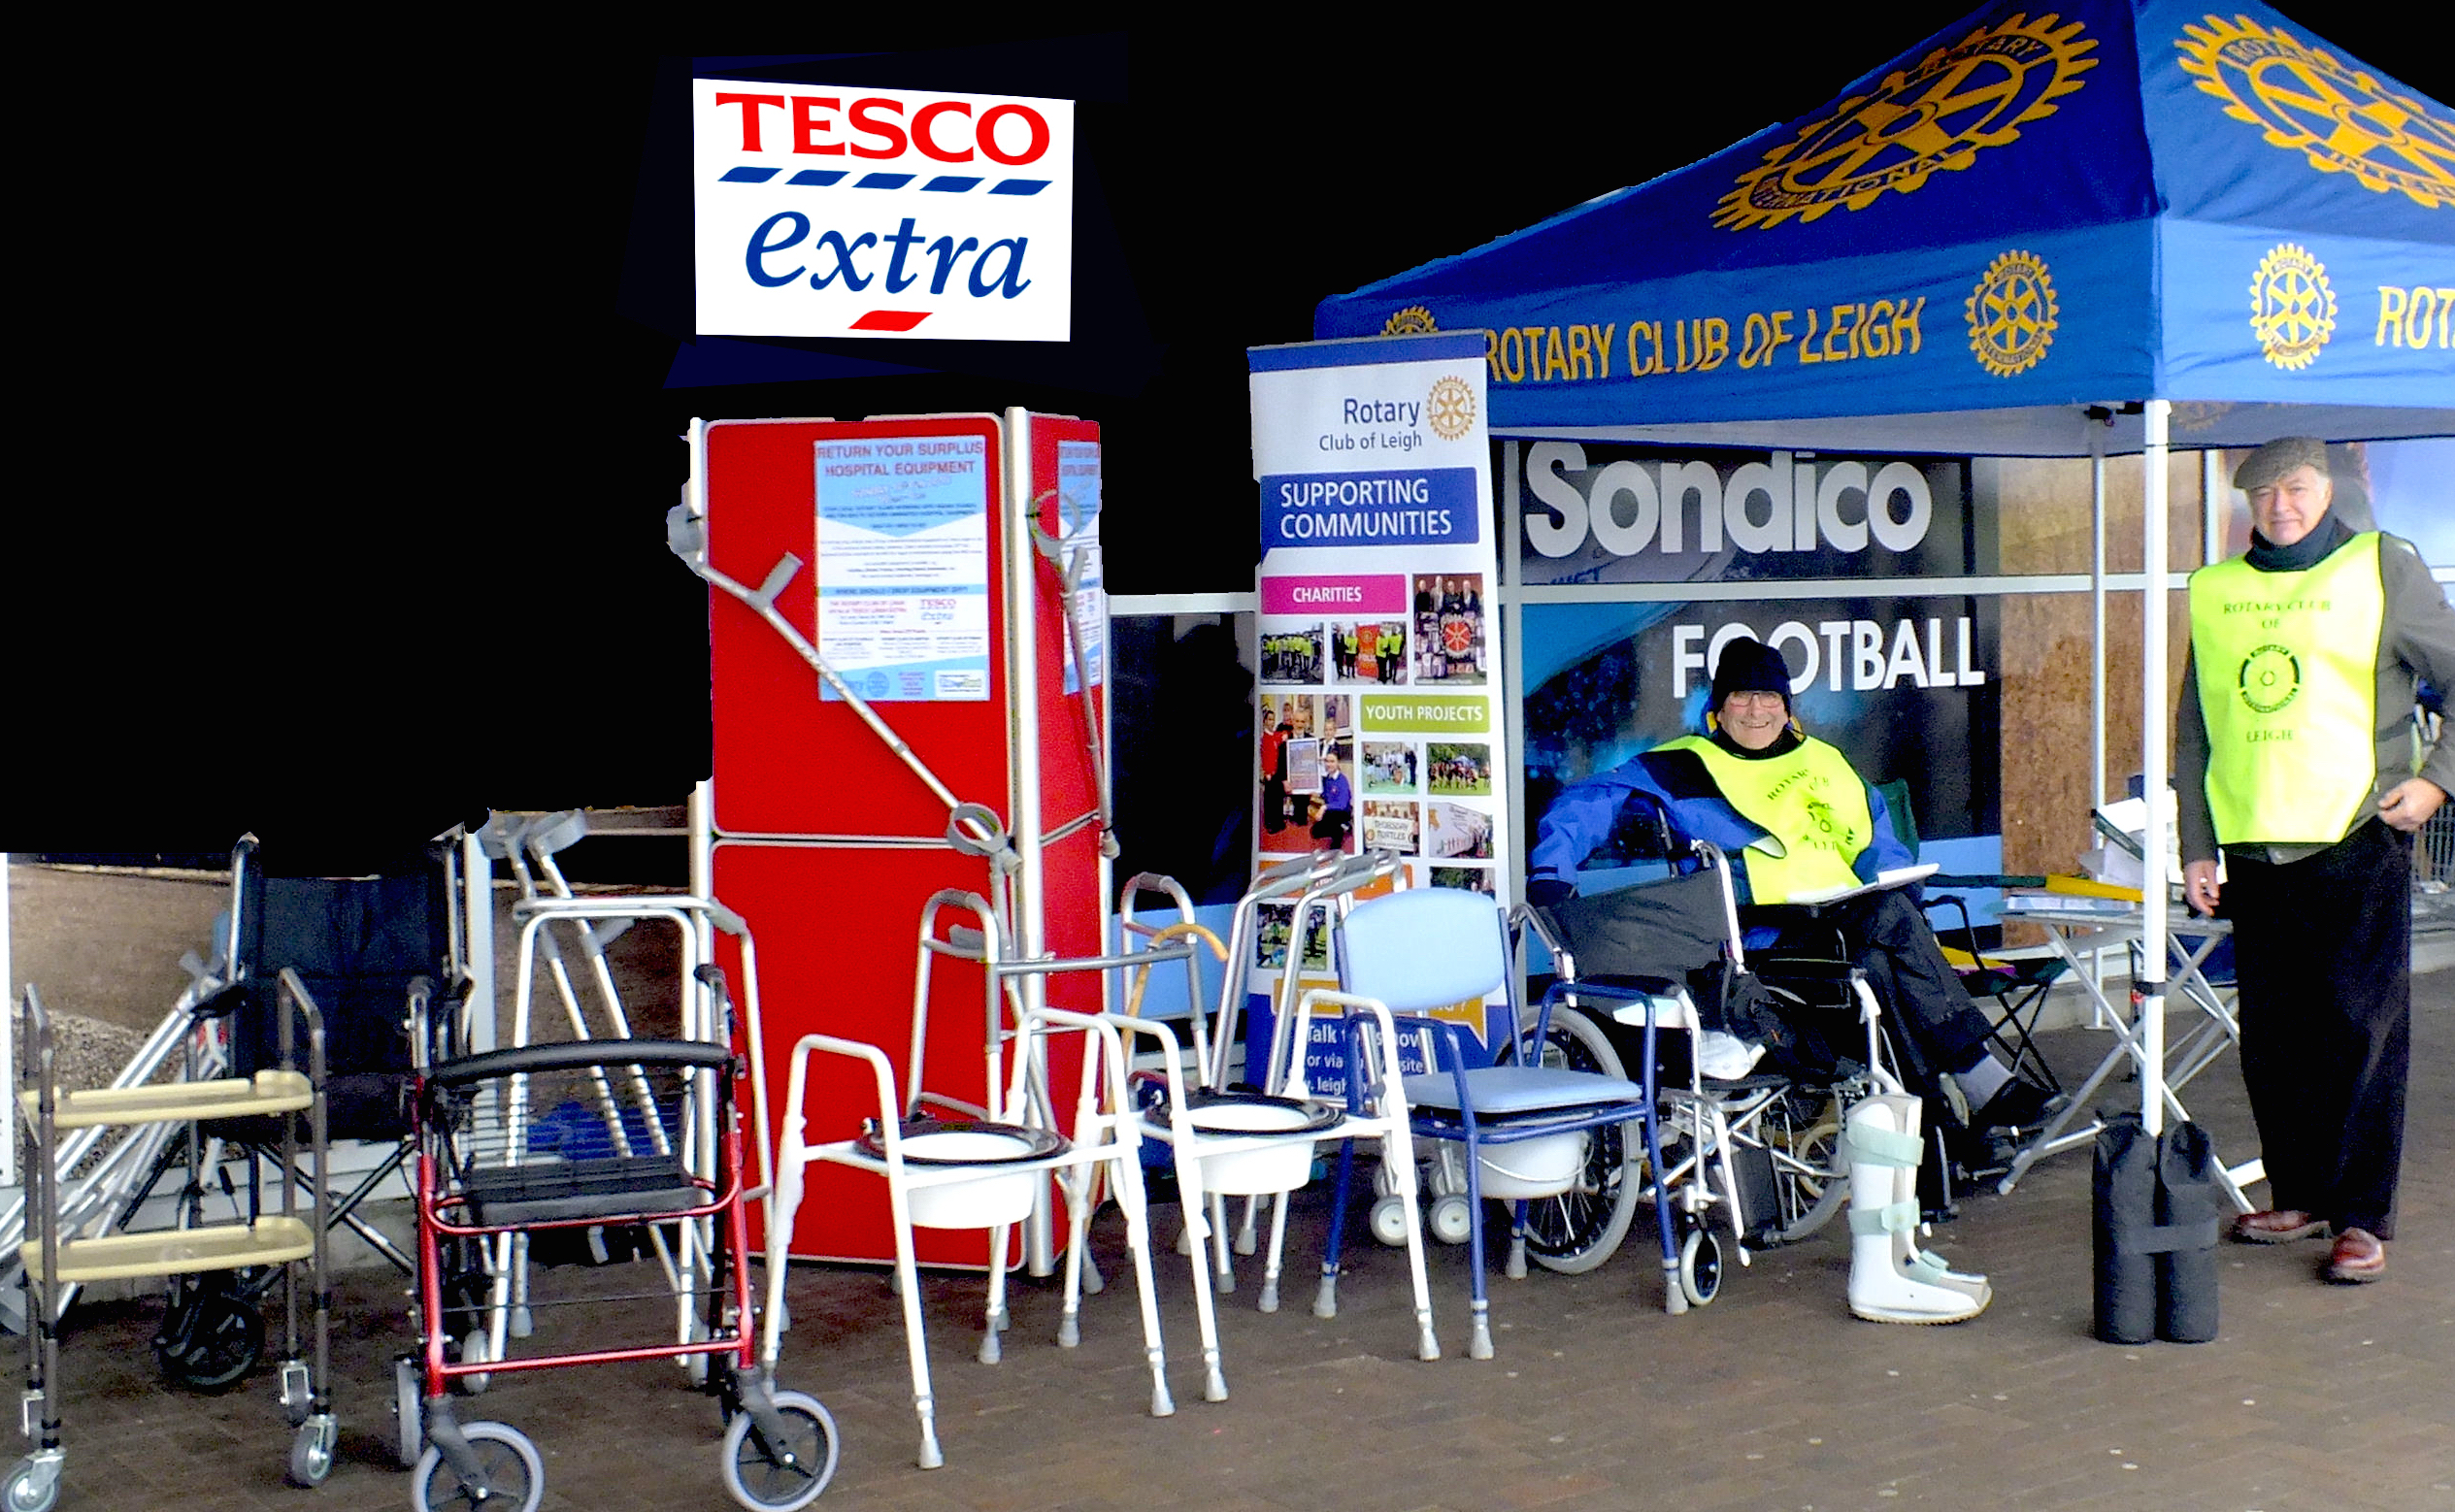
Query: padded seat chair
(1525, 1127)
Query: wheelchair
(1752, 1152)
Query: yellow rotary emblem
(1413, 320)
(2342, 119)
(1921, 120)
(2292, 308)
(2011, 314)
(1451, 409)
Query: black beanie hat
(1751, 667)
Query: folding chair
(1525, 1127)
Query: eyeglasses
(1755, 699)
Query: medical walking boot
(1924, 1263)
(1880, 1141)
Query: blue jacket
(1582, 817)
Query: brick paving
(2313, 1397)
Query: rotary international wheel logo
(1413, 320)
(2342, 119)
(1450, 408)
(2011, 314)
(2271, 679)
(2292, 308)
(1921, 120)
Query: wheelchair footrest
(625, 1186)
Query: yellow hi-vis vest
(2288, 676)
(1810, 803)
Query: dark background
(354, 457)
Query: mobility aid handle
(579, 1054)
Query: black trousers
(2323, 950)
(1935, 1026)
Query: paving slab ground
(2313, 1397)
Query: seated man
(1798, 821)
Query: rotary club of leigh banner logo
(1927, 119)
(1413, 320)
(2340, 119)
(2292, 308)
(2013, 314)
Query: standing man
(2294, 753)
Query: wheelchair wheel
(212, 1337)
(1581, 1228)
(1809, 1183)
(1701, 1265)
(766, 1477)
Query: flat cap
(2279, 457)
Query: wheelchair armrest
(1623, 989)
(1809, 967)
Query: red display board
(788, 763)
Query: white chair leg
(994, 1323)
(1200, 1212)
(915, 1344)
(1224, 1266)
(1269, 1300)
(1127, 1181)
(1400, 1147)
(1078, 1232)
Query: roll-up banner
(1380, 716)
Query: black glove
(1547, 892)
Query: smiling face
(1754, 719)
(2292, 507)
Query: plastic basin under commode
(1532, 1167)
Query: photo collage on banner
(1379, 715)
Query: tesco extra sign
(826, 210)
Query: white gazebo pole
(2152, 768)
(2097, 617)
(2213, 505)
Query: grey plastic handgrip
(685, 532)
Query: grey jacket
(2417, 639)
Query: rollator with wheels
(609, 1133)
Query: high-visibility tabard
(2287, 667)
(1810, 802)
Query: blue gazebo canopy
(2028, 214)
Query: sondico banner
(1617, 659)
(1380, 701)
(824, 209)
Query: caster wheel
(1452, 1219)
(472, 1351)
(1701, 1267)
(514, 1476)
(409, 1409)
(311, 1451)
(30, 1491)
(1389, 1222)
(780, 1476)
